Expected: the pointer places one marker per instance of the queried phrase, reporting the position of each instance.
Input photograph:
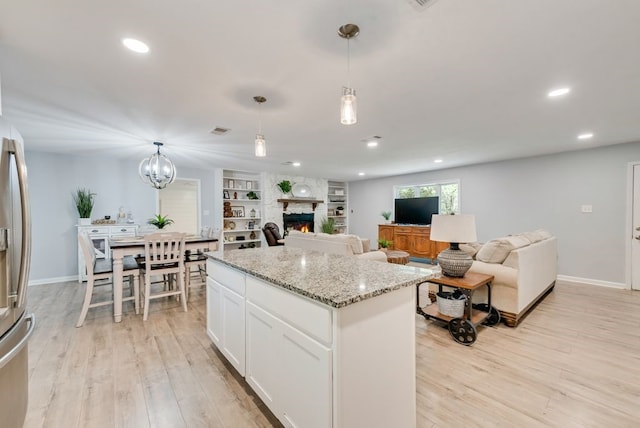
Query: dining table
(133, 246)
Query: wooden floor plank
(573, 361)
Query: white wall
(52, 180)
(526, 194)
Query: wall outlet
(587, 208)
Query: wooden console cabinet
(413, 239)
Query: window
(447, 191)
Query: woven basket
(450, 307)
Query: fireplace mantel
(314, 202)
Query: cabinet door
(263, 331)
(305, 380)
(422, 244)
(402, 241)
(385, 232)
(233, 328)
(214, 315)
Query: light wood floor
(573, 362)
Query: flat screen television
(416, 210)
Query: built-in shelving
(241, 210)
(337, 205)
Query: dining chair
(102, 270)
(198, 260)
(163, 255)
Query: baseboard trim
(589, 281)
(53, 280)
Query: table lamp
(455, 229)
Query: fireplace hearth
(302, 222)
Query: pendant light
(348, 102)
(157, 170)
(261, 144)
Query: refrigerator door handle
(25, 256)
(9, 355)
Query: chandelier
(157, 169)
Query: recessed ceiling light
(437, 161)
(372, 144)
(585, 136)
(296, 164)
(361, 174)
(135, 45)
(558, 92)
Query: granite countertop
(334, 280)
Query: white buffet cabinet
(100, 235)
(314, 365)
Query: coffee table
(397, 257)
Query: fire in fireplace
(302, 222)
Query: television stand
(415, 240)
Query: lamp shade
(453, 228)
(261, 146)
(348, 106)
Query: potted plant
(340, 210)
(285, 186)
(83, 198)
(327, 225)
(160, 221)
(385, 244)
(386, 215)
(252, 195)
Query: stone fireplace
(302, 222)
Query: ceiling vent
(219, 131)
(421, 4)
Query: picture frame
(331, 212)
(251, 225)
(225, 194)
(238, 211)
(249, 185)
(231, 184)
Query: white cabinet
(242, 209)
(337, 205)
(262, 354)
(311, 364)
(100, 235)
(305, 376)
(226, 313)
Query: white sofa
(525, 267)
(343, 244)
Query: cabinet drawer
(312, 318)
(95, 230)
(123, 230)
(231, 278)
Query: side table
(397, 257)
(463, 330)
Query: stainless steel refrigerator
(16, 325)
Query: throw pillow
(494, 251)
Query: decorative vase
(84, 221)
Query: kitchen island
(324, 340)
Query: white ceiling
(461, 80)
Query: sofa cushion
(537, 235)
(471, 248)
(353, 240)
(366, 245)
(517, 241)
(494, 251)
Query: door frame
(629, 223)
(199, 196)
